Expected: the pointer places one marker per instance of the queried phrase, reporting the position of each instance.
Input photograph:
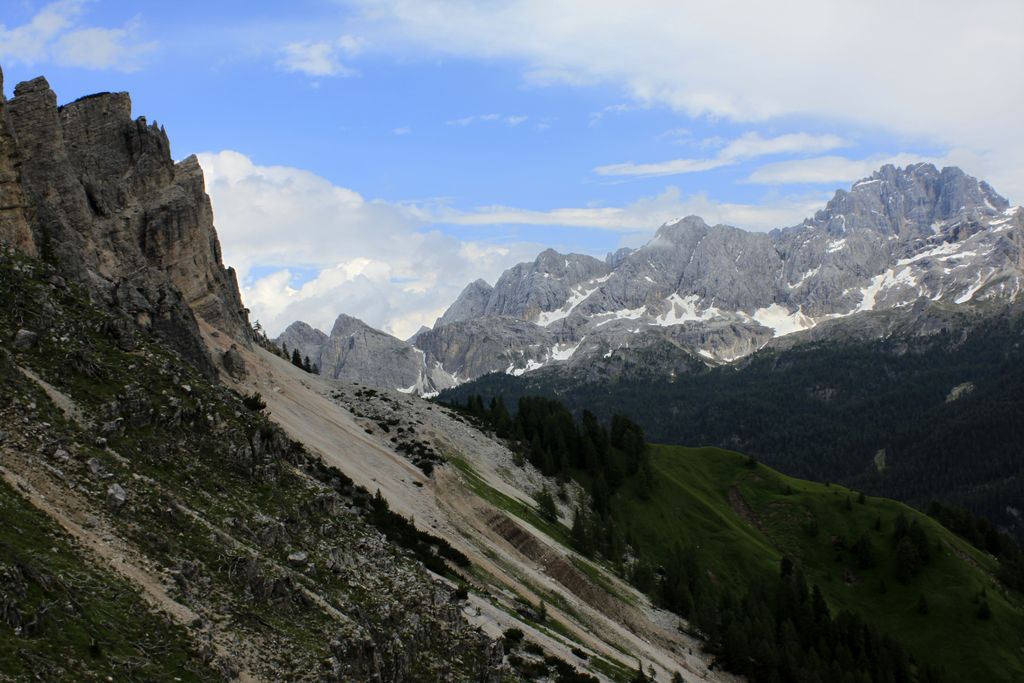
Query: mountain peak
(471, 303)
(672, 230)
(346, 324)
(102, 193)
(906, 202)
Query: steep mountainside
(159, 527)
(786, 579)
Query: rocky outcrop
(309, 342)
(98, 194)
(472, 303)
(356, 352)
(14, 222)
(470, 348)
(529, 290)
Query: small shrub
(254, 402)
(512, 637)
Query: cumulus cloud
(321, 58)
(56, 34)
(943, 71)
(748, 146)
(306, 249)
(372, 259)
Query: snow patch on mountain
(781, 320)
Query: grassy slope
(182, 447)
(692, 505)
(81, 621)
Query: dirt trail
(444, 505)
(63, 507)
(59, 398)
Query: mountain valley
(182, 501)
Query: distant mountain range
(719, 293)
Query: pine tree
(581, 536)
(819, 606)
(296, 358)
(646, 474)
(546, 505)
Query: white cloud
(673, 167)
(55, 34)
(510, 120)
(830, 169)
(402, 130)
(644, 215)
(371, 259)
(380, 261)
(748, 146)
(882, 66)
(101, 48)
(319, 58)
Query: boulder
(25, 339)
(233, 363)
(116, 496)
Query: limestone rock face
(356, 352)
(98, 194)
(472, 303)
(14, 223)
(308, 340)
(531, 289)
(470, 348)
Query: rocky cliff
(356, 352)
(96, 192)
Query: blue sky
(374, 157)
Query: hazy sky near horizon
(373, 158)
